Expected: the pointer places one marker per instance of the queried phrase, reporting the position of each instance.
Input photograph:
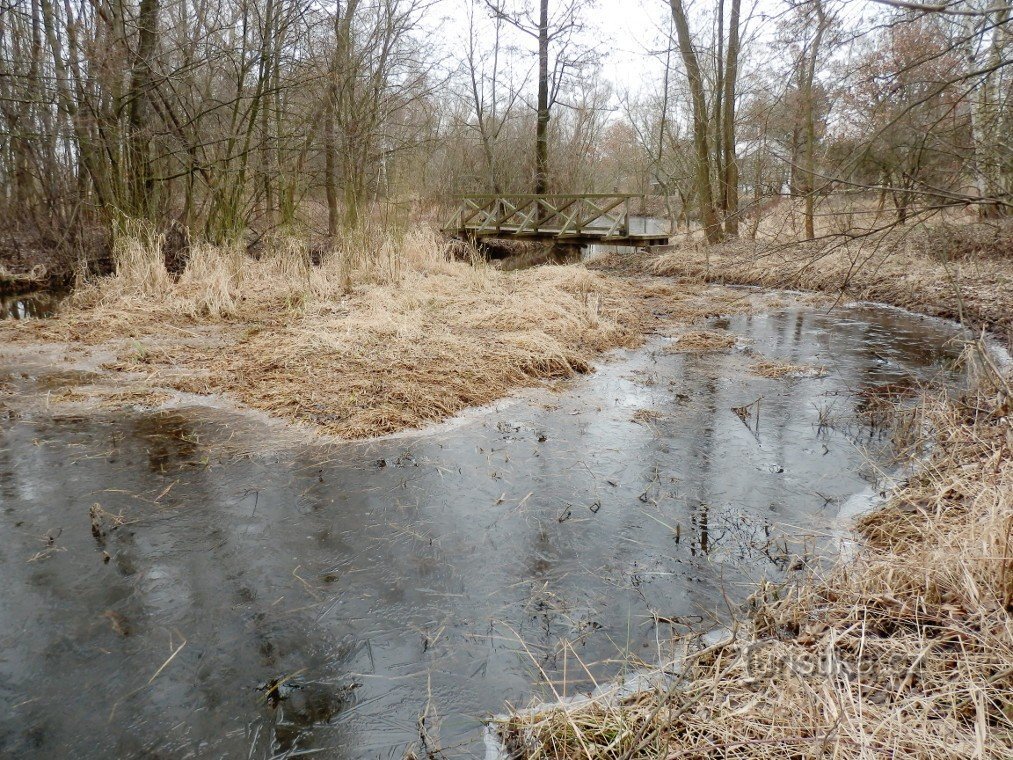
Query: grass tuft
(775, 370)
(700, 341)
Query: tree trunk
(730, 183)
(341, 122)
(87, 150)
(809, 109)
(719, 113)
(986, 122)
(708, 216)
(330, 170)
(542, 133)
(267, 61)
(141, 179)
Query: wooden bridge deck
(566, 219)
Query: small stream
(243, 599)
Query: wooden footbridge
(563, 219)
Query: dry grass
(387, 333)
(682, 303)
(905, 649)
(398, 356)
(700, 341)
(943, 267)
(776, 370)
(129, 397)
(645, 416)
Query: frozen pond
(438, 575)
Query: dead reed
(775, 370)
(383, 333)
(700, 341)
(902, 649)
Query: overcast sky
(623, 30)
(627, 32)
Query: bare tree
(730, 177)
(491, 101)
(232, 118)
(701, 125)
(559, 57)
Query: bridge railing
(596, 215)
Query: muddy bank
(32, 304)
(181, 583)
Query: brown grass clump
(139, 397)
(645, 416)
(904, 649)
(214, 278)
(397, 356)
(699, 341)
(686, 302)
(386, 333)
(775, 370)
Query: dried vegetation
(945, 266)
(385, 333)
(776, 370)
(700, 341)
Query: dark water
(30, 305)
(440, 576)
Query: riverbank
(350, 349)
(903, 647)
(34, 259)
(967, 276)
(16, 283)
